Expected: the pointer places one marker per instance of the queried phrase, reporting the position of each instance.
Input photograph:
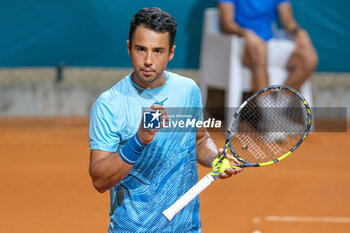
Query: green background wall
(94, 32)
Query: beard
(140, 78)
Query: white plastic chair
(221, 64)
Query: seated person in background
(253, 19)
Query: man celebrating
(146, 170)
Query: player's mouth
(147, 72)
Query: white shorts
(279, 51)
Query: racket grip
(188, 197)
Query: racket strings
(269, 125)
(254, 149)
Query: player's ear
(171, 53)
(129, 47)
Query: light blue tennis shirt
(167, 167)
(257, 15)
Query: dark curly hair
(155, 19)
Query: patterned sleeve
(103, 131)
(197, 97)
(197, 103)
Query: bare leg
(258, 66)
(301, 65)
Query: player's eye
(158, 51)
(141, 49)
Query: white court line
(306, 219)
(309, 219)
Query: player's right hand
(147, 135)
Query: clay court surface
(45, 186)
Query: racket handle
(188, 197)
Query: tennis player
(144, 169)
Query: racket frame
(215, 172)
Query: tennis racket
(265, 129)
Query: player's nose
(148, 59)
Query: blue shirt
(257, 15)
(167, 167)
